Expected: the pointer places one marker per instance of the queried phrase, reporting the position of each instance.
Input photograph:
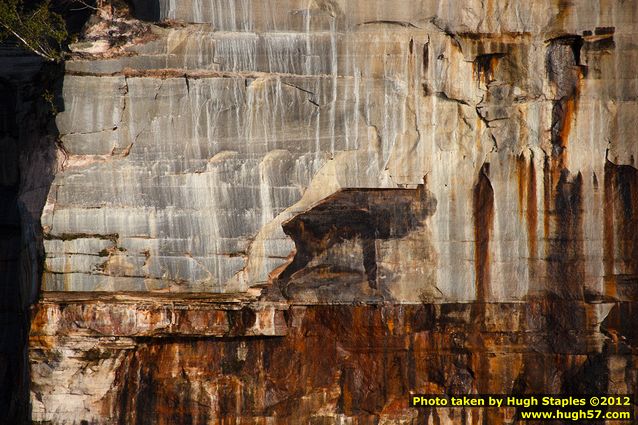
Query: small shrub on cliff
(35, 25)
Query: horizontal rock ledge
(156, 315)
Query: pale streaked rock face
(450, 156)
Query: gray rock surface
(190, 154)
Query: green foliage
(38, 28)
(49, 98)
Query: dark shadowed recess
(26, 172)
(11, 318)
(30, 94)
(360, 215)
(147, 10)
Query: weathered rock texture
(294, 211)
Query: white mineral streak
(181, 181)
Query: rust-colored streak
(521, 179)
(484, 67)
(526, 180)
(531, 212)
(568, 117)
(547, 196)
(345, 361)
(563, 113)
(565, 74)
(483, 209)
(563, 10)
(610, 287)
(563, 191)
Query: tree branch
(34, 49)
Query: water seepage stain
(562, 190)
(565, 260)
(565, 72)
(483, 211)
(527, 207)
(483, 214)
(357, 216)
(620, 231)
(484, 67)
(362, 362)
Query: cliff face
(301, 211)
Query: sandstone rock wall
(466, 169)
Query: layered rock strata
(302, 211)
